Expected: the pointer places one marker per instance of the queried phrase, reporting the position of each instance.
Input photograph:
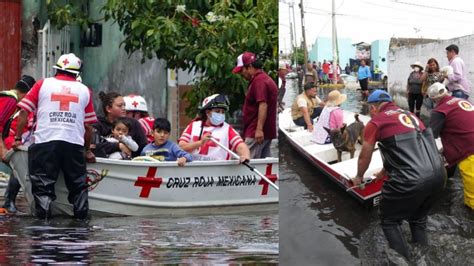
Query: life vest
(210, 151)
(62, 107)
(410, 157)
(295, 109)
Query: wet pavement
(323, 225)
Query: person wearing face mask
(211, 123)
(414, 84)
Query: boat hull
(323, 157)
(149, 188)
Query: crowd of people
(414, 169)
(56, 119)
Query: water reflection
(243, 238)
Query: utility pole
(292, 47)
(294, 31)
(305, 52)
(334, 44)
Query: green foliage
(299, 56)
(202, 35)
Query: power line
(432, 7)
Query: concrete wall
(379, 51)
(400, 59)
(322, 49)
(109, 68)
(33, 18)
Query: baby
(120, 129)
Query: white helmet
(135, 103)
(70, 63)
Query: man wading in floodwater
(412, 164)
(64, 111)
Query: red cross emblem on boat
(205, 148)
(148, 182)
(269, 175)
(65, 97)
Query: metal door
(10, 43)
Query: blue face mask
(217, 118)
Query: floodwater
(323, 225)
(222, 238)
(244, 238)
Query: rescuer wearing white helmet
(136, 107)
(196, 137)
(64, 112)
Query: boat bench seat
(349, 166)
(319, 149)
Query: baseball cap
(309, 86)
(244, 59)
(379, 96)
(437, 90)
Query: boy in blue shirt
(162, 149)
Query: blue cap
(379, 96)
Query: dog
(344, 139)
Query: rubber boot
(418, 234)
(43, 206)
(11, 192)
(395, 239)
(417, 114)
(79, 197)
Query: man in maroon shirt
(453, 120)
(412, 164)
(260, 106)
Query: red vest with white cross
(62, 106)
(225, 134)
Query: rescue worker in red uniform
(64, 112)
(8, 102)
(412, 164)
(453, 120)
(136, 108)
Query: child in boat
(120, 129)
(162, 149)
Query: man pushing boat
(64, 111)
(412, 164)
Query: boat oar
(246, 163)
